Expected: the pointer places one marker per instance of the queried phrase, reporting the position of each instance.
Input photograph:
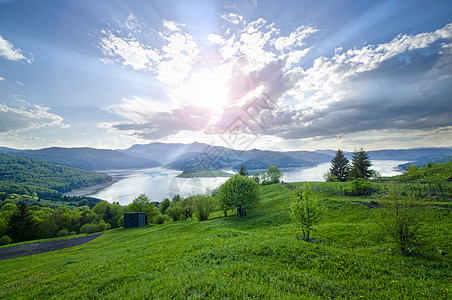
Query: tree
(203, 206)
(143, 204)
(240, 193)
(305, 210)
(164, 205)
(339, 166)
(360, 165)
(22, 225)
(243, 171)
(328, 177)
(256, 178)
(274, 174)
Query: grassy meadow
(258, 256)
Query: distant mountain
(85, 158)
(397, 154)
(280, 160)
(165, 153)
(409, 154)
(424, 160)
(198, 157)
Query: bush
(5, 240)
(401, 219)
(63, 232)
(361, 187)
(160, 219)
(203, 206)
(121, 221)
(175, 212)
(94, 227)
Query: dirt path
(41, 247)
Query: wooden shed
(135, 219)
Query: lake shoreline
(88, 190)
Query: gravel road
(41, 247)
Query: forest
(43, 179)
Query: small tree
(274, 174)
(360, 165)
(163, 206)
(305, 210)
(256, 178)
(339, 166)
(238, 192)
(243, 171)
(143, 204)
(203, 206)
(401, 219)
(328, 177)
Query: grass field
(258, 256)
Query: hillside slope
(85, 158)
(257, 256)
(34, 177)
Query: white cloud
(256, 60)
(25, 116)
(1, 78)
(232, 18)
(7, 51)
(128, 52)
(19, 83)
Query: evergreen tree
(243, 171)
(339, 166)
(360, 165)
(22, 226)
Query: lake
(159, 183)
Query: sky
(277, 75)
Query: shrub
(63, 232)
(94, 227)
(160, 219)
(360, 187)
(121, 221)
(401, 219)
(203, 206)
(5, 240)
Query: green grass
(258, 256)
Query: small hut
(135, 219)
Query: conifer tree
(360, 165)
(339, 166)
(243, 171)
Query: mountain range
(196, 157)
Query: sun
(207, 88)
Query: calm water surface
(158, 183)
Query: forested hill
(85, 158)
(34, 177)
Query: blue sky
(282, 75)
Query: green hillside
(34, 177)
(258, 256)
